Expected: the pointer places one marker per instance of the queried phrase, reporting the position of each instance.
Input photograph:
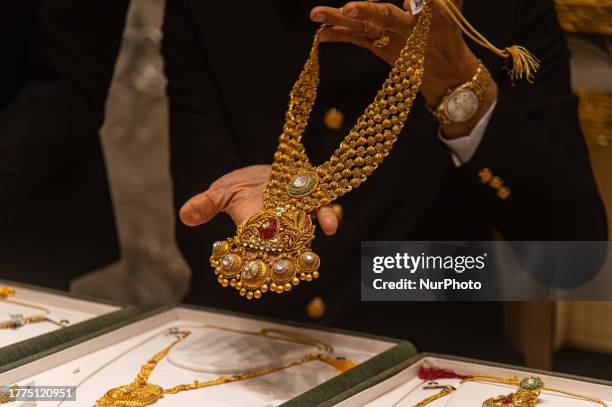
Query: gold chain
(280, 335)
(446, 390)
(272, 249)
(20, 321)
(528, 392)
(6, 292)
(366, 145)
(141, 393)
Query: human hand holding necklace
(239, 194)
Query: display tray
(115, 358)
(402, 387)
(73, 317)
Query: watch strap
(479, 84)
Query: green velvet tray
(33, 348)
(325, 394)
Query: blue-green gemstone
(302, 184)
(532, 383)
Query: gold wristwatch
(461, 104)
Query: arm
(534, 144)
(72, 57)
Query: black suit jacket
(230, 69)
(56, 219)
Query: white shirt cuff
(462, 149)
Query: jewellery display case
(402, 385)
(35, 320)
(263, 362)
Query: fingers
(334, 16)
(341, 34)
(327, 220)
(203, 207)
(384, 15)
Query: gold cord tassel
(341, 365)
(524, 63)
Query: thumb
(205, 206)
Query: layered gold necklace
(271, 251)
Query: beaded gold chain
(272, 249)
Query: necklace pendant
(270, 252)
(131, 395)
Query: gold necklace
(18, 320)
(141, 393)
(527, 394)
(272, 249)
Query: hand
(240, 195)
(449, 62)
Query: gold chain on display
(272, 249)
(141, 393)
(446, 390)
(527, 395)
(18, 320)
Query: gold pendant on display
(270, 252)
(131, 395)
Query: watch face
(461, 105)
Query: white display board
(405, 389)
(115, 358)
(68, 310)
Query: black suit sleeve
(73, 50)
(535, 144)
(202, 144)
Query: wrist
(459, 71)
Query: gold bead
(354, 183)
(257, 294)
(378, 158)
(249, 295)
(273, 286)
(316, 308)
(243, 292)
(232, 282)
(295, 281)
(225, 282)
(288, 287)
(308, 277)
(264, 288)
(315, 274)
(358, 161)
(302, 276)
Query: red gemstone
(508, 399)
(268, 229)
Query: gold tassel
(341, 365)
(524, 63)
